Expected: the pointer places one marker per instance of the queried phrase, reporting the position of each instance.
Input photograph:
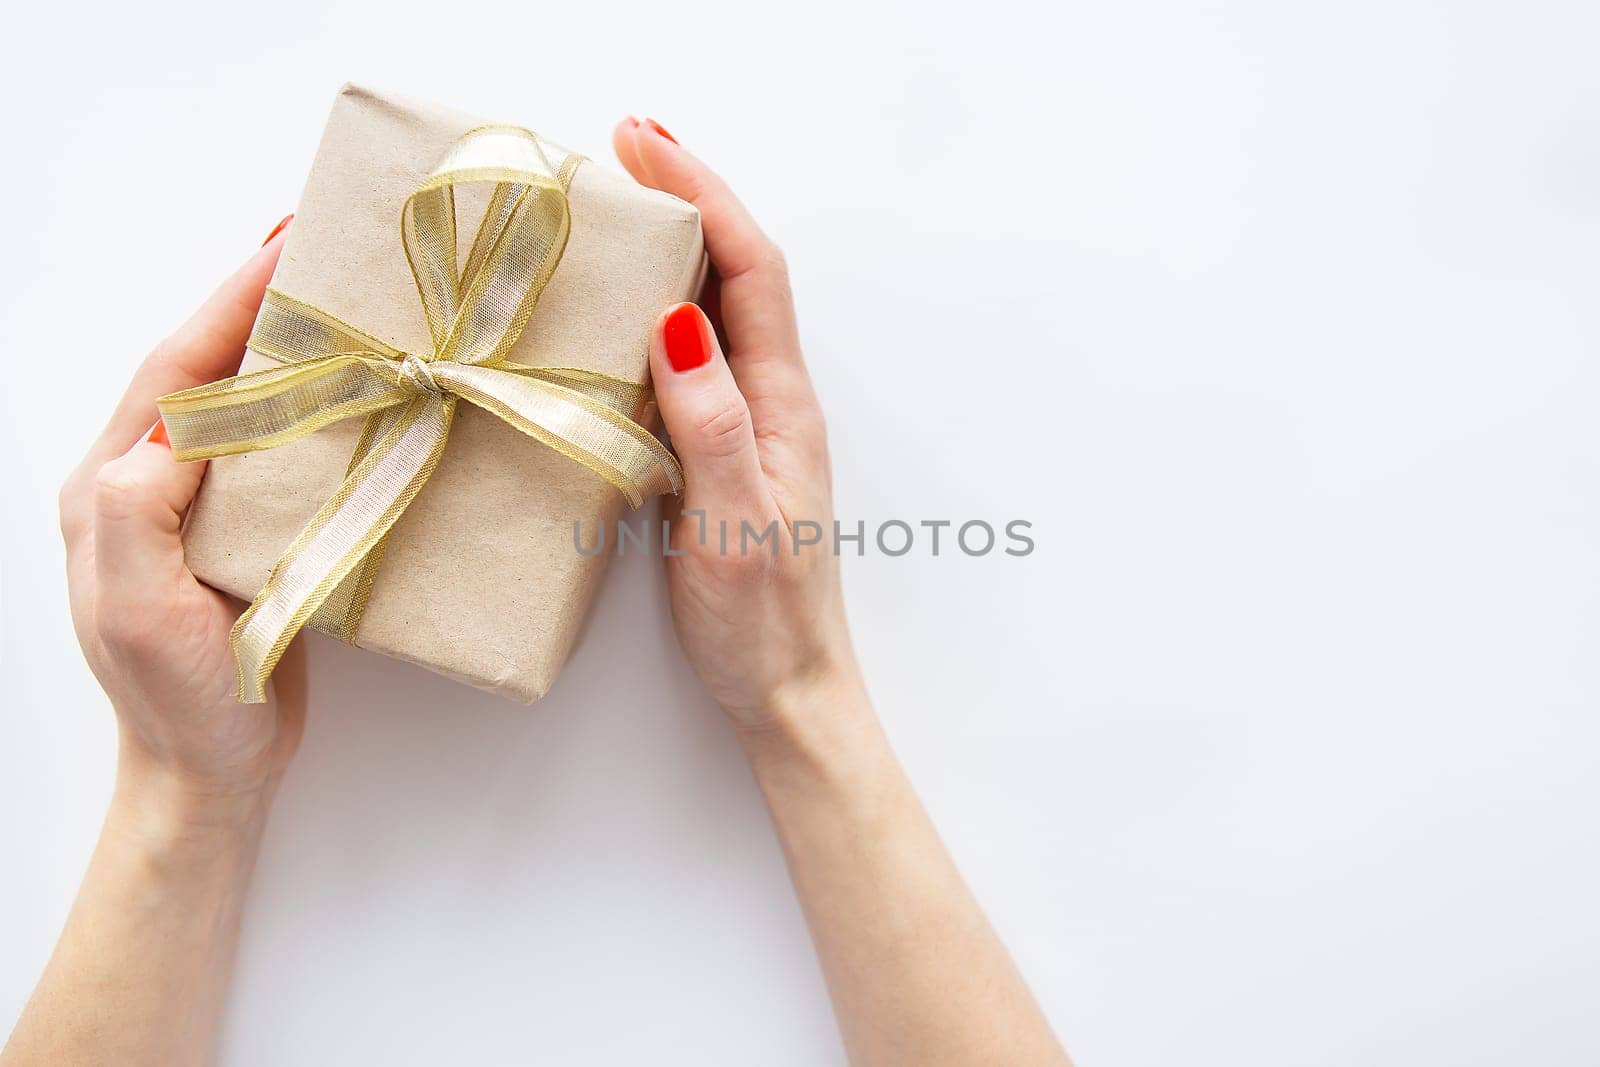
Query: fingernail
(662, 130)
(630, 120)
(279, 228)
(685, 337)
(158, 434)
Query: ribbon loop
(330, 370)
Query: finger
(139, 501)
(707, 417)
(207, 347)
(622, 144)
(757, 307)
(734, 241)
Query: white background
(1277, 320)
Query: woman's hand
(143, 962)
(915, 972)
(755, 595)
(156, 638)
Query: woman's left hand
(156, 638)
(142, 965)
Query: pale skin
(914, 970)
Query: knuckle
(69, 505)
(694, 187)
(748, 567)
(713, 561)
(118, 490)
(123, 636)
(776, 266)
(164, 354)
(740, 553)
(723, 431)
(124, 639)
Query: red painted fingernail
(279, 228)
(158, 434)
(687, 341)
(662, 130)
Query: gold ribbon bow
(332, 370)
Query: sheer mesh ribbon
(330, 370)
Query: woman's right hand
(755, 595)
(899, 937)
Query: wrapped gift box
(480, 580)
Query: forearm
(141, 969)
(916, 973)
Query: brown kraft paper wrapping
(480, 581)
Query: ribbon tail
(628, 398)
(273, 407)
(573, 423)
(339, 617)
(358, 515)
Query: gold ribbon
(331, 370)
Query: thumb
(706, 415)
(139, 501)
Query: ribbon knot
(415, 371)
(330, 370)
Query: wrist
(161, 811)
(816, 725)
